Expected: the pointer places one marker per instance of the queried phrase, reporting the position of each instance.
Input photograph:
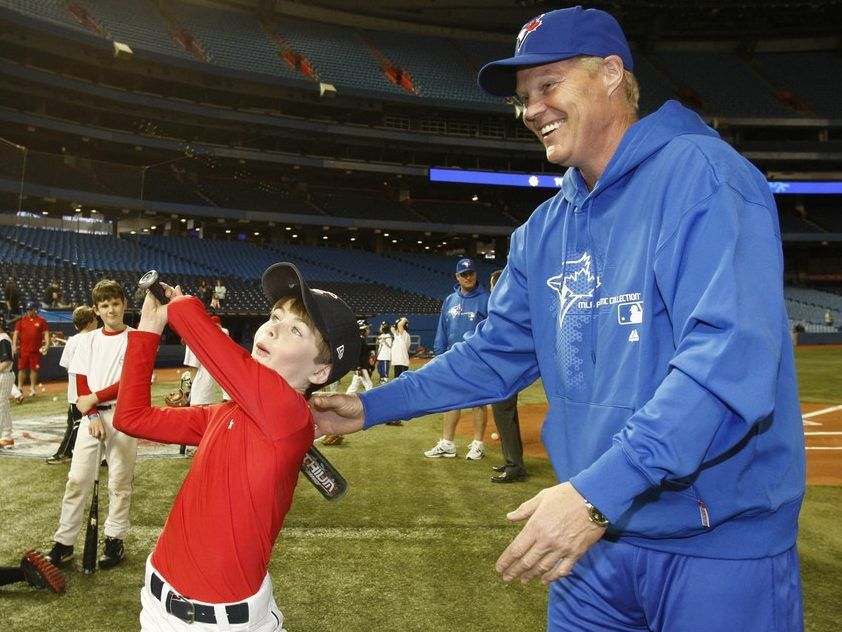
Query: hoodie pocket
(577, 433)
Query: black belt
(105, 406)
(190, 611)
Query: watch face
(596, 516)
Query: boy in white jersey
(84, 320)
(97, 364)
(204, 390)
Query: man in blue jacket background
(461, 312)
(647, 294)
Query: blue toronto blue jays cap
(555, 36)
(465, 265)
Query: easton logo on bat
(317, 473)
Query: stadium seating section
(436, 68)
(395, 282)
(370, 283)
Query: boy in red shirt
(33, 334)
(210, 562)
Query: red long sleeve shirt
(216, 543)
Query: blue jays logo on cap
(465, 265)
(556, 36)
(527, 29)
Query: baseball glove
(177, 399)
(39, 572)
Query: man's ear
(320, 374)
(613, 72)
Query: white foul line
(819, 448)
(823, 411)
(821, 434)
(816, 413)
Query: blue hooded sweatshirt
(652, 308)
(460, 315)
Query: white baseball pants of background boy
(7, 380)
(120, 451)
(361, 378)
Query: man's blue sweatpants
(618, 586)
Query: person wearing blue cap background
(461, 312)
(647, 295)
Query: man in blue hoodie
(461, 312)
(647, 295)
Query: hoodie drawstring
(596, 280)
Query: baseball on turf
(495, 436)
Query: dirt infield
(822, 434)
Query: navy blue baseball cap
(465, 265)
(31, 305)
(331, 315)
(556, 36)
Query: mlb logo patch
(630, 313)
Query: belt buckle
(185, 609)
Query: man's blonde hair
(295, 306)
(630, 85)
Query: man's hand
(96, 428)
(43, 350)
(85, 402)
(558, 532)
(336, 414)
(153, 315)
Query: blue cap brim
(499, 78)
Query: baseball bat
(315, 466)
(324, 477)
(92, 532)
(149, 282)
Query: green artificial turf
(411, 546)
(819, 374)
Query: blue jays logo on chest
(575, 283)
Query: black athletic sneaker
(114, 553)
(60, 553)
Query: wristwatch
(596, 516)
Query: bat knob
(150, 282)
(148, 279)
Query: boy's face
(288, 346)
(111, 312)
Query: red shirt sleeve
(136, 416)
(109, 392)
(277, 408)
(82, 388)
